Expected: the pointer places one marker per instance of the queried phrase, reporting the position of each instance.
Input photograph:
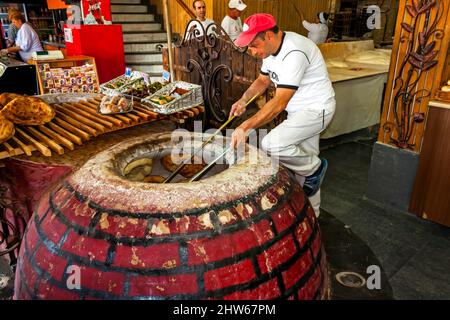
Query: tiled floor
(414, 253)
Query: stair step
(144, 37)
(124, 18)
(143, 47)
(141, 27)
(125, 1)
(121, 8)
(148, 68)
(144, 58)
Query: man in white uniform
(200, 12)
(232, 22)
(296, 66)
(27, 40)
(317, 32)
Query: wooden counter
(430, 197)
(343, 74)
(439, 104)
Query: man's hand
(238, 108)
(239, 136)
(302, 17)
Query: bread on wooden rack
(6, 97)
(6, 129)
(28, 111)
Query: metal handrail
(186, 8)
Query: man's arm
(266, 114)
(11, 50)
(258, 87)
(313, 27)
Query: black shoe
(313, 182)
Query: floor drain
(351, 279)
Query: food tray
(188, 100)
(130, 104)
(126, 80)
(130, 84)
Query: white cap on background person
(237, 4)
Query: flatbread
(6, 97)
(6, 129)
(139, 173)
(28, 111)
(188, 171)
(154, 179)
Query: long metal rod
(169, 178)
(209, 166)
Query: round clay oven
(247, 232)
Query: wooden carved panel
(418, 56)
(224, 70)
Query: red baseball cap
(252, 25)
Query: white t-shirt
(232, 27)
(196, 24)
(28, 41)
(318, 32)
(299, 65)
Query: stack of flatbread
(6, 129)
(189, 170)
(18, 109)
(6, 126)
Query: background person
(12, 30)
(231, 23)
(200, 13)
(317, 32)
(27, 40)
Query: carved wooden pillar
(419, 52)
(418, 57)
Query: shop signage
(96, 11)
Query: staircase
(143, 36)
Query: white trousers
(295, 143)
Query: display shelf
(69, 63)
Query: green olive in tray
(117, 83)
(141, 90)
(166, 98)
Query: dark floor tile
(413, 252)
(427, 274)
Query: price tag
(68, 36)
(146, 80)
(166, 75)
(128, 72)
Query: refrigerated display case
(47, 23)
